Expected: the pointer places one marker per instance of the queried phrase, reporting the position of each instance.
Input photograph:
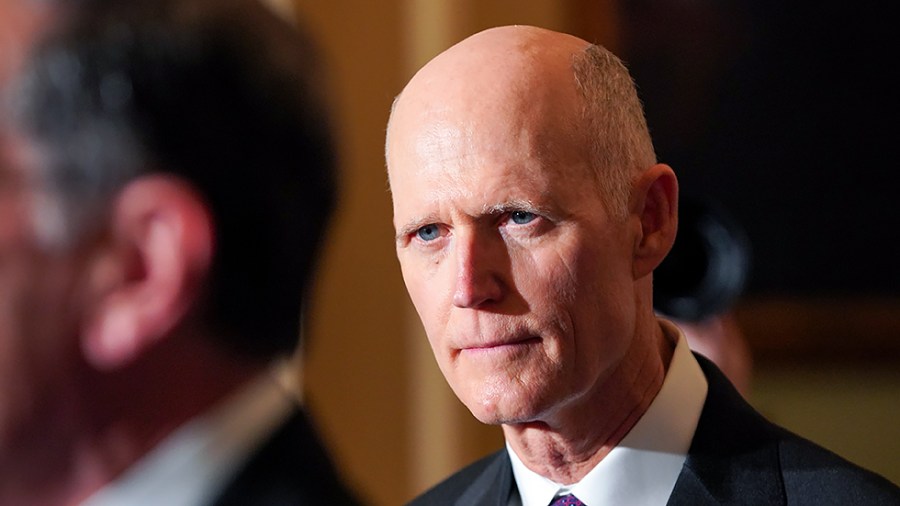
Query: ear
(151, 273)
(655, 202)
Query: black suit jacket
(736, 457)
(291, 468)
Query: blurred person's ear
(151, 273)
(655, 203)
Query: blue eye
(522, 217)
(428, 232)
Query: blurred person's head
(166, 175)
(21, 21)
(701, 280)
(719, 338)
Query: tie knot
(567, 500)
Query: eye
(429, 232)
(522, 217)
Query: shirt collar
(643, 467)
(191, 464)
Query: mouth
(502, 345)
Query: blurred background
(772, 111)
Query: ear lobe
(151, 275)
(656, 204)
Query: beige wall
(851, 409)
(356, 368)
(392, 423)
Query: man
(166, 175)
(530, 214)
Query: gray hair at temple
(619, 138)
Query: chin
(489, 417)
(503, 408)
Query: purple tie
(567, 500)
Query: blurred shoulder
(491, 475)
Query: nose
(479, 279)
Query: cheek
(587, 290)
(427, 293)
(548, 277)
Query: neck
(567, 445)
(107, 421)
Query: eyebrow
(511, 205)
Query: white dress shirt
(191, 465)
(643, 467)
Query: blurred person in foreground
(530, 212)
(701, 280)
(166, 177)
(20, 22)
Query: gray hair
(620, 141)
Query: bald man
(530, 212)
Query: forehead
(446, 144)
(496, 115)
(483, 160)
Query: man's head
(166, 169)
(220, 96)
(530, 213)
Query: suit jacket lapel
(733, 457)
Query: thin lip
(525, 339)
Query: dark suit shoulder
(472, 484)
(739, 457)
(815, 475)
(291, 468)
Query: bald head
(511, 62)
(528, 217)
(521, 73)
